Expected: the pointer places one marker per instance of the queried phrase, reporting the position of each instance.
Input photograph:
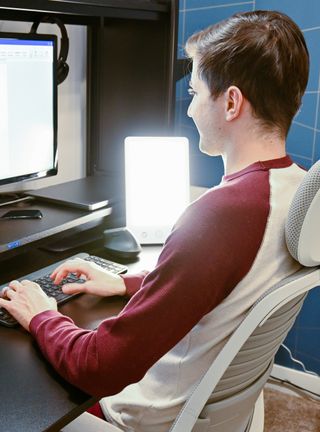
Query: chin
(208, 149)
(203, 147)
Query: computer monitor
(28, 107)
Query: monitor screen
(28, 107)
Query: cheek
(195, 110)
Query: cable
(299, 362)
(295, 387)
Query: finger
(61, 267)
(27, 283)
(74, 288)
(55, 272)
(70, 266)
(63, 271)
(60, 276)
(3, 292)
(15, 285)
(10, 293)
(5, 304)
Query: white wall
(71, 107)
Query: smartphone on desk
(22, 214)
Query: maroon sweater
(210, 250)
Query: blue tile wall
(303, 142)
(196, 19)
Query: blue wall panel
(303, 142)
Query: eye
(191, 91)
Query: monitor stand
(78, 239)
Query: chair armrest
(89, 423)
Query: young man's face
(207, 114)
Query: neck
(241, 153)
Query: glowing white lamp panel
(157, 185)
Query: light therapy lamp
(157, 185)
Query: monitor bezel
(52, 171)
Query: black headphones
(62, 66)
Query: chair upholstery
(302, 233)
(229, 397)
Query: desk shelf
(18, 234)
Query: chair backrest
(236, 377)
(257, 352)
(302, 227)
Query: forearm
(93, 361)
(133, 282)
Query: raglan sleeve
(195, 271)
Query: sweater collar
(282, 162)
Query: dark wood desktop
(34, 397)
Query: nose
(189, 112)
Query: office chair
(229, 397)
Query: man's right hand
(97, 280)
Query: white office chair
(229, 397)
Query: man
(249, 74)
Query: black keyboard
(42, 277)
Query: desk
(33, 397)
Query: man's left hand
(25, 299)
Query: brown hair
(264, 54)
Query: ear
(233, 103)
